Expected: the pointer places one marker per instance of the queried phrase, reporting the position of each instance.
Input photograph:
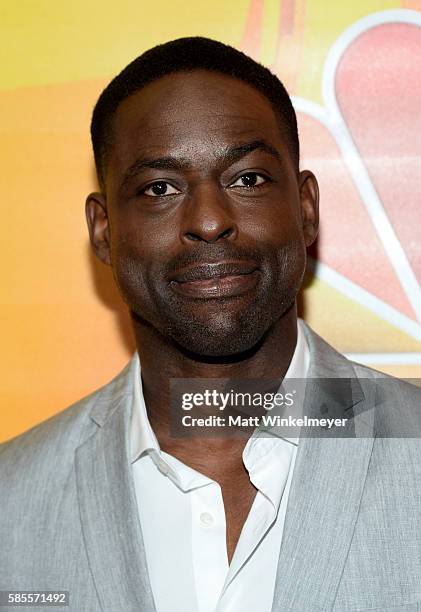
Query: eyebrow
(233, 154)
(228, 157)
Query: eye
(158, 189)
(250, 180)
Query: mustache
(213, 253)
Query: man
(204, 216)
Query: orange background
(64, 330)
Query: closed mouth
(213, 270)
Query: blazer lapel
(326, 490)
(108, 509)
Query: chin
(219, 336)
(217, 345)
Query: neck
(161, 359)
(270, 359)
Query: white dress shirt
(182, 517)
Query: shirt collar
(142, 437)
(267, 456)
(297, 370)
(300, 361)
(143, 440)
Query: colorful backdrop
(353, 68)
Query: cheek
(132, 239)
(146, 233)
(138, 254)
(274, 228)
(129, 274)
(275, 218)
(129, 262)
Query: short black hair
(186, 55)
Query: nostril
(191, 236)
(226, 234)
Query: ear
(98, 225)
(309, 197)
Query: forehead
(191, 113)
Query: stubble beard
(224, 331)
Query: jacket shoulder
(394, 404)
(52, 443)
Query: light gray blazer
(352, 538)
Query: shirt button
(206, 519)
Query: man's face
(204, 219)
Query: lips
(213, 280)
(207, 271)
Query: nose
(208, 216)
